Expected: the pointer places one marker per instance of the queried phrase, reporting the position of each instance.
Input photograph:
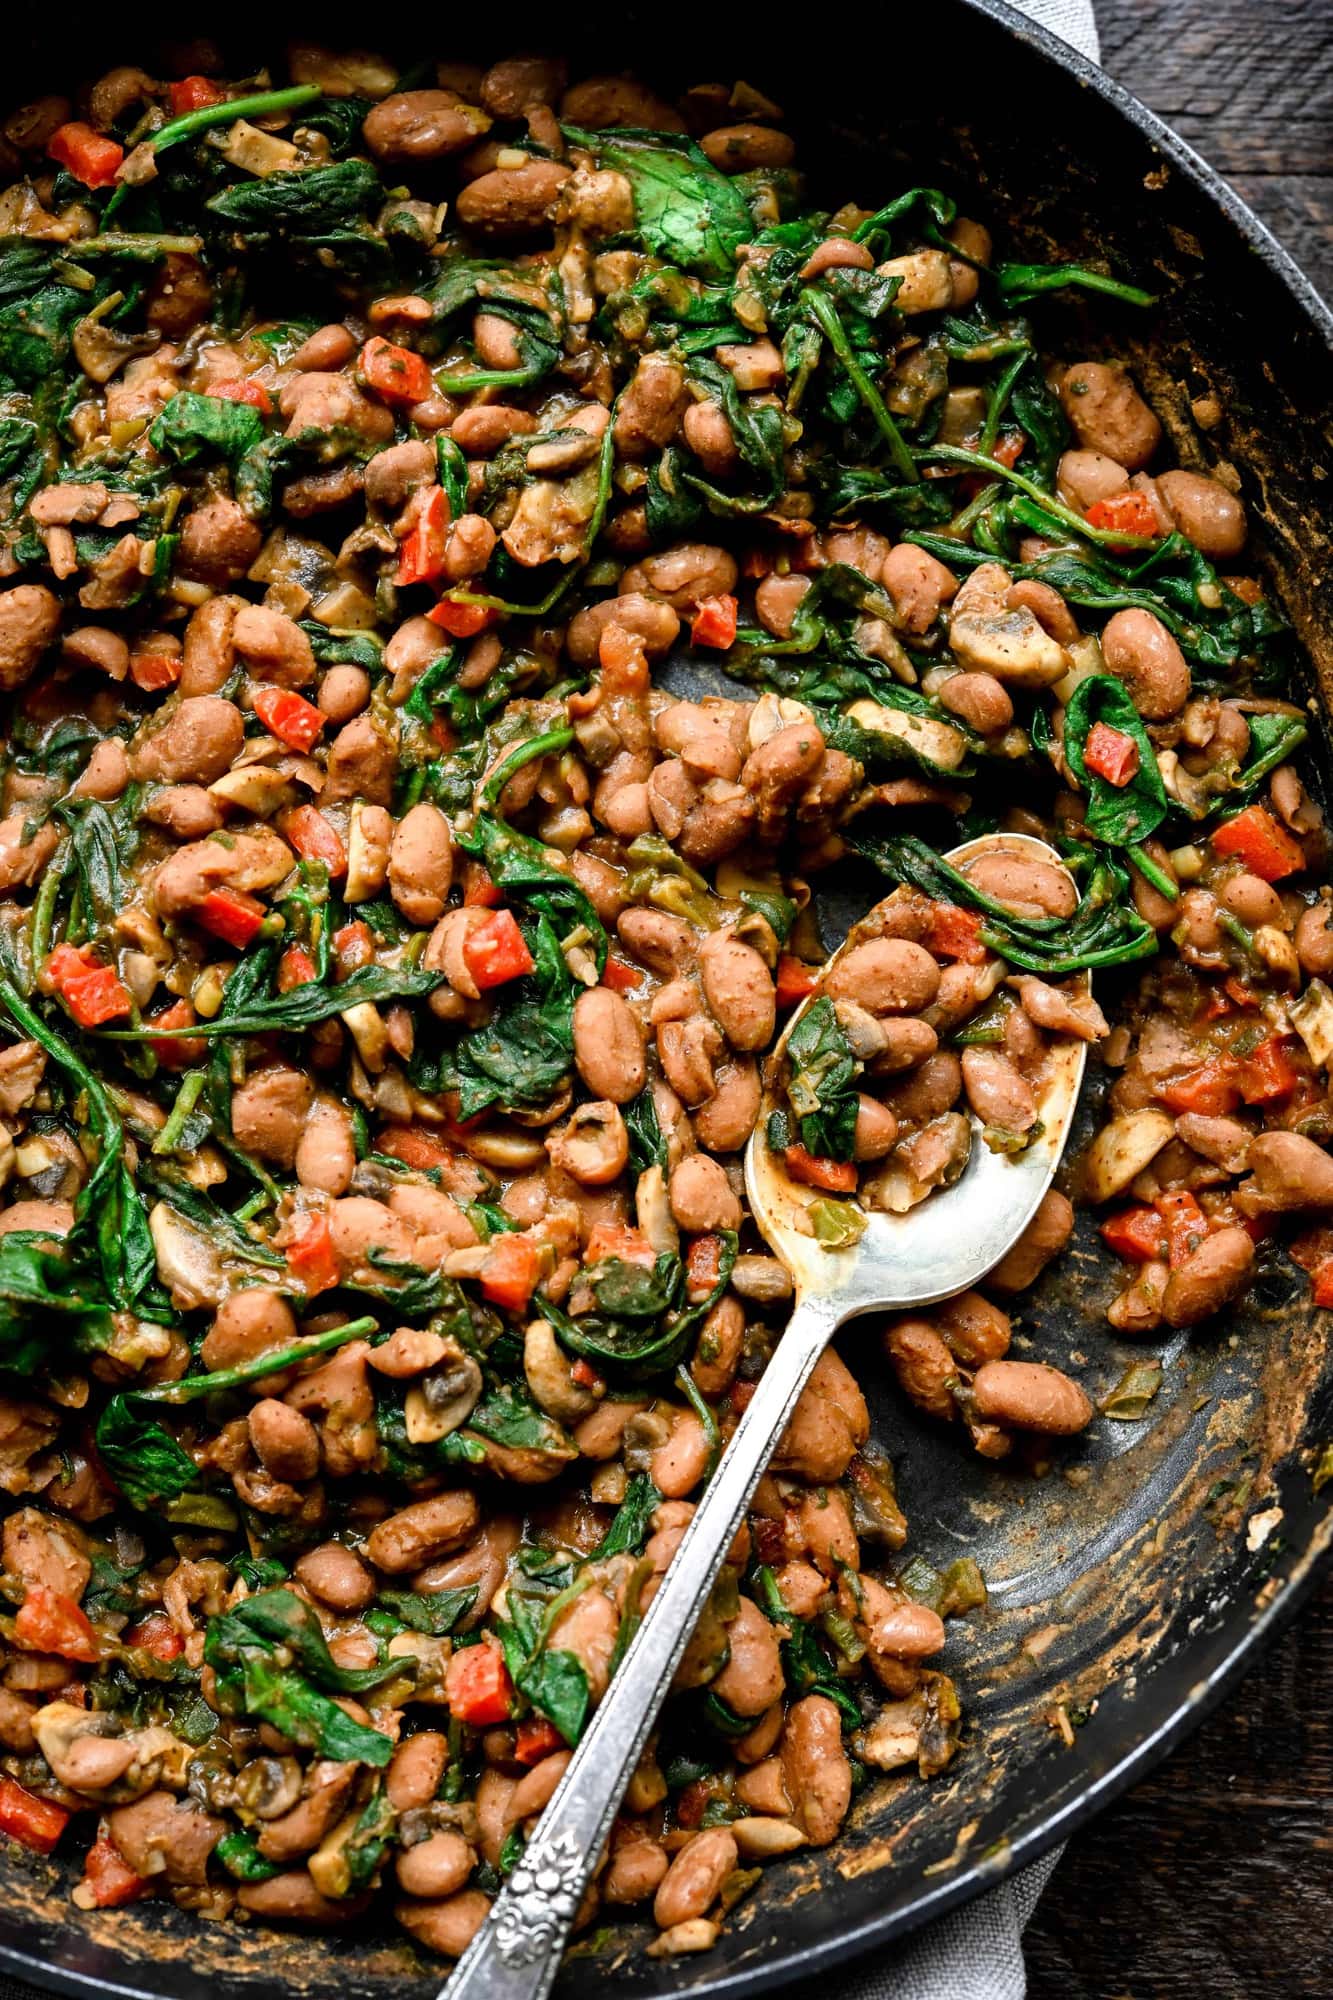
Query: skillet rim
(1306, 1567)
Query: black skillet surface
(1138, 1579)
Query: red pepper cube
(956, 933)
(714, 623)
(295, 968)
(233, 915)
(1256, 839)
(193, 93)
(1212, 1089)
(421, 552)
(837, 1176)
(289, 716)
(35, 1823)
(461, 620)
(1268, 1073)
(108, 1880)
(315, 838)
(396, 374)
(240, 389)
(311, 1261)
(510, 1273)
(477, 1686)
(86, 154)
(796, 980)
(93, 993)
(47, 1622)
(534, 1739)
(153, 671)
(496, 951)
(1138, 1234)
(1128, 513)
(1111, 754)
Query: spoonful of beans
(871, 1209)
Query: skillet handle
(516, 1953)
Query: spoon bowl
(957, 1233)
(939, 1247)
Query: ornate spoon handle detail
(516, 1954)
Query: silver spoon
(934, 1251)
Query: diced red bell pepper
(89, 155)
(535, 1738)
(586, 1375)
(511, 1270)
(714, 623)
(193, 93)
(1211, 1090)
(1009, 448)
(443, 735)
(108, 1880)
(496, 951)
(703, 1266)
(91, 992)
(233, 915)
(47, 1622)
(1268, 1073)
(289, 716)
(314, 837)
(1111, 754)
(693, 1801)
(616, 1239)
(242, 389)
(837, 1176)
(396, 374)
(1129, 513)
(620, 977)
(1239, 993)
(1137, 1234)
(1321, 1283)
(1185, 1222)
(1256, 838)
(421, 552)
(415, 1147)
(477, 1686)
(311, 1261)
(153, 671)
(355, 946)
(295, 968)
(177, 1051)
(955, 933)
(157, 1635)
(459, 620)
(479, 892)
(36, 1823)
(796, 980)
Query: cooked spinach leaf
(821, 1082)
(684, 209)
(1121, 815)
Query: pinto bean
(423, 1532)
(1045, 1237)
(246, 861)
(677, 1466)
(327, 349)
(1209, 1278)
(362, 763)
(415, 125)
(326, 1150)
(725, 1121)
(876, 1129)
(198, 743)
(651, 406)
(919, 585)
(929, 1091)
(683, 575)
(1254, 901)
(1031, 1396)
(421, 864)
(752, 1679)
(336, 1576)
(886, 976)
(1290, 1172)
(647, 618)
(828, 1426)
(292, 1898)
(285, 1442)
(24, 851)
(436, 1866)
(512, 201)
(1204, 512)
(1140, 651)
(358, 1225)
(1108, 414)
(269, 1111)
(608, 1045)
(692, 1882)
(416, 1768)
(742, 149)
(40, 1551)
(981, 701)
(663, 943)
(209, 656)
(29, 621)
(592, 1147)
(218, 542)
(996, 1091)
(701, 1196)
(1314, 940)
(162, 1835)
(484, 429)
(717, 1352)
(248, 1324)
(637, 1867)
(1084, 477)
(895, 1627)
(447, 1927)
(925, 1367)
(816, 1774)
(777, 599)
(739, 990)
(1029, 888)
(709, 436)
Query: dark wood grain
(1249, 83)
(1213, 1880)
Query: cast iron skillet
(1136, 1585)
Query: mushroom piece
(445, 1398)
(187, 1262)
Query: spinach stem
(256, 105)
(193, 1386)
(822, 311)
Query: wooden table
(1213, 1880)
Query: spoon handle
(516, 1953)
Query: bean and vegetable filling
(389, 960)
